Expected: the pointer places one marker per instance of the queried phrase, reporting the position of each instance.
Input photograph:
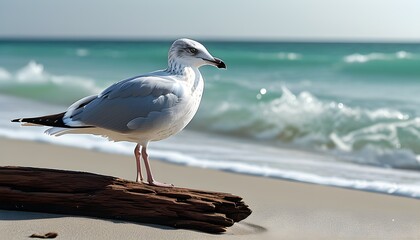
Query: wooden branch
(87, 194)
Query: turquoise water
(354, 103)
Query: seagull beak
(217, 62)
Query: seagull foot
(158, 184)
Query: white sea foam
(33, 72)
(403, 54)
(360, 58)
(82, 52)
(363, 58)
(387, 132)
(4, 74)
(32, 79)
(289, 56)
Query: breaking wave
(33, 81)
(383, 136)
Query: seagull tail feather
(55, 120)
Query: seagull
(141, 109)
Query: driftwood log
(87, 194)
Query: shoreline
(243, 156)
(281, 209)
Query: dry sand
(281, 209)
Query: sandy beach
(281, 209)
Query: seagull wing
(133, 104)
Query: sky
(304, 20)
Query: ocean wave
(305, 121)
(4, 74)
(363, 58)
(32, 81)
(82, 52)
(400, 63)
(32, 73)
(268, 59)
(289, 56)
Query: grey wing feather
(131, 104)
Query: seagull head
(192, 53)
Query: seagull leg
(150, 178)
(139, 177)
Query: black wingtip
(16, 120)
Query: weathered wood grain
(87, 194)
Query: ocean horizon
(340, 114)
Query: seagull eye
(192, 50)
